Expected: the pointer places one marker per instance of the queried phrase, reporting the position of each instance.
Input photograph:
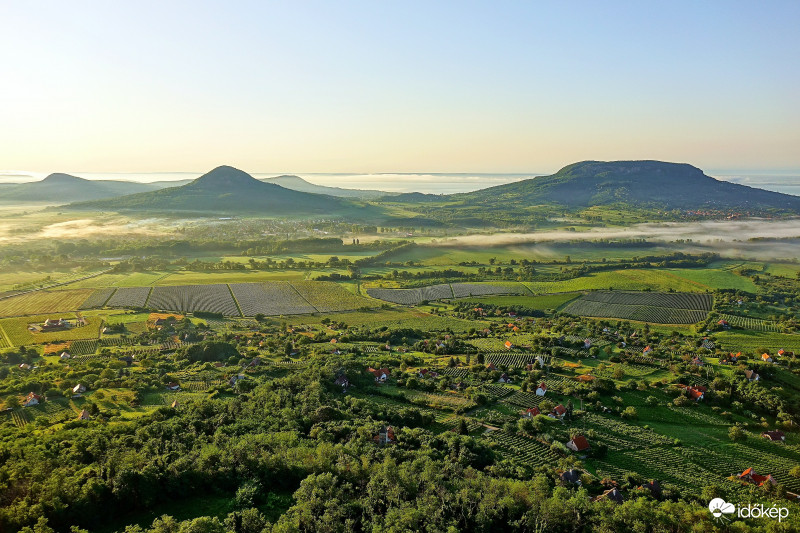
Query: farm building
(647, 350)
(587, 343)
(572, 476)
(172, 386)
(724, 324)
(385, 436)
(78, 389)
(766, 358)
(751, 375)
(531, 412)
(381, 374)
(491, 366)
(24, 366)
(541, 390)
(750, 476)
(342, 381)
(174, 404)
(774, 436)
(64, 355)
(585, 378)
(31, 399)
(578, 444)
(613, 495)
(84, 415)
(505, 378)
(508, 345)
(695, 393)
(51, 324)
(558, 411)
(654, 487)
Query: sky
(363, 87)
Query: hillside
(226, 190)
(297, 183)
(634, 183)
(64, 188)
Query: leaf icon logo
(718, 507)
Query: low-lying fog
(730, 238)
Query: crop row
(129, 297)
(531, 451)
(83, 347)
(690, 301)
(756, 324)
(412, 296)
(463, 290)
(510, 359)
(275, 298)
(641, 313)
(525, 400)
(97, 299)
(214, 298)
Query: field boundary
(238, 307)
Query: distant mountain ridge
(297, 183)
(635, 183)
(228, 190)
(64, 188)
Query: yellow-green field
(39, 302)
(16, 330)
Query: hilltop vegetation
(226, 190)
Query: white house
(542, 389)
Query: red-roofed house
(84, 415)
(559, 410)
(647, 350)
(381, 374)
(541, 389)
(532, 412)
(766, 358)
(491, 366)
(695, 394)
(385, 436)
(31, 399)
(508, 345)
(587, 343)
(578, 444)
(750, 476)
(751, 375)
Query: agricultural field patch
(129, 297)
(464, 290)
(97, 298)
(627, 279)
(38, 302)
(18, 334)
(190, 298)
(661, 308)
(273, 298)
(540, 302)
(327, 296)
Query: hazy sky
(370, 86)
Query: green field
(16, 330)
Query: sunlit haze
(363, 87)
